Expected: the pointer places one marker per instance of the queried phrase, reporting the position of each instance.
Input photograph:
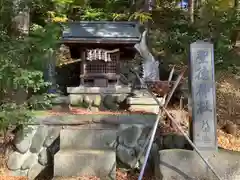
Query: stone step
(144, 101)
(87, 138)
(99, 163)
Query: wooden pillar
(83, 67)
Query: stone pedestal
(146, 104)
(98, 98)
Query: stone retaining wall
(34, 148)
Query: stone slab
(146, 108)
(99, 90)
(146, 119)
(100, 163)
(144, 101)
(92, 138)
(203, 93)
(181, 164)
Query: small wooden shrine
(102, 48)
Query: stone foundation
(98, 99)
(36, 146)
(115, 98)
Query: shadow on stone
(46, 174)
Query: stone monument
(202, 85)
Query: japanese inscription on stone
(203, 95)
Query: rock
(35, 170)
(15, 160)
(168, 142)
(126, 155)
(75, 99)
(97, 101)
(18, 173)
(144, 136)
(130, 135)
(179, 141)
(153, 152)
(120, 98)
(94, 109)
(186, 164)
(30, 160)
(110, 103)
(23, 139)
(44, 157)
(38, 139)
(87, 100)
(231, 128)
(53, 134)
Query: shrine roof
(101, 32)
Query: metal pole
(150, 134)
(155, 127)
(150, 144)
(158, 118)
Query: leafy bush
(22, 63)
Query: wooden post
(83, 67)
(202, 82)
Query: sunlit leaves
(142, 17)
(63, 1)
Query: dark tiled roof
(101, 32)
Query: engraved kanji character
(203, 106)
(202, 73)
(203, 90)
(201, 56)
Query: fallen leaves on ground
(228, 141)
(79, 178)
(121, 175)
(12, 178)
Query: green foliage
(23, 59)
(172, 33)
(22, 63)
(13, 114)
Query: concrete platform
(92, 138)
(100, 163)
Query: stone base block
(61, 100)
(144, 101)
(84, 138)
(145, 108)
(185, 164)
(99, 90)
(75, 99)
(100, 163)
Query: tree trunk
(191, 10)
(21, 21)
